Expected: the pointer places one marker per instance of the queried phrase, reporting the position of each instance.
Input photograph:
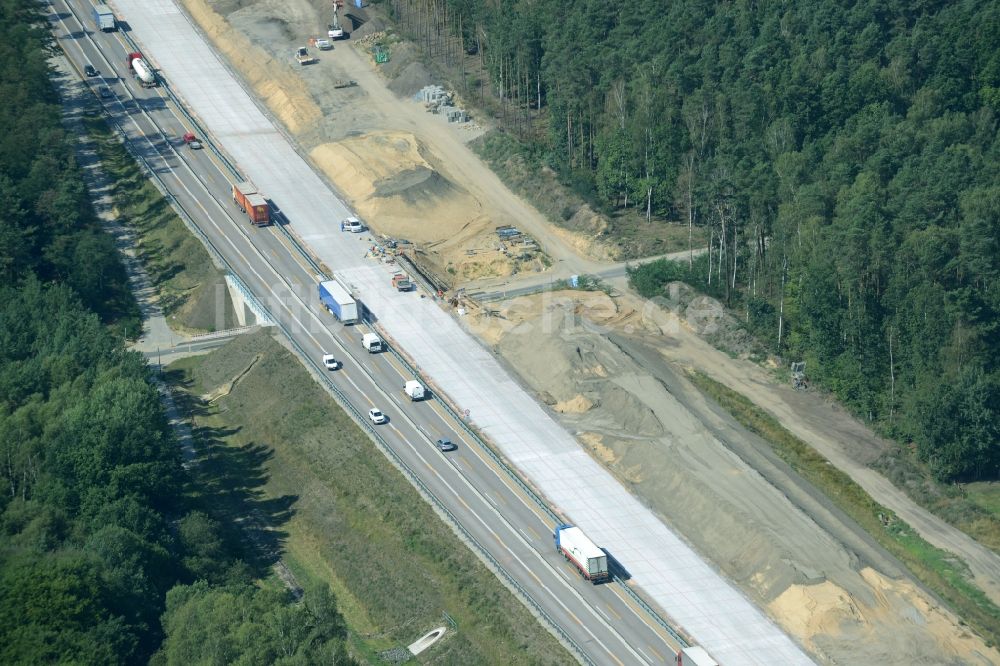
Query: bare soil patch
(585, 355)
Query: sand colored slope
(837, 596)
(825, 614)
(391, 183)
(396, 185)
(286, 96)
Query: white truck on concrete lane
(695, 656)
(591, 561)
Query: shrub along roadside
(177, 263)
(347, 517)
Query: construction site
(610, 366)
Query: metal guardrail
(339, 396)
(302, 251)
(236, 173)
(531, 493)
(201, 131)
(225, 333)
(189, 222)
(342, 400)
(430, 496)
(542, 504)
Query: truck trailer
(141, 69)
(104, 18)
(252, 202)
(695, 656)
(338, 301)
(583, 553)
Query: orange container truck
(252, 202)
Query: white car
(352, 224)
(330, 362)
(377, 416)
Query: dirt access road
(411, 174)
(407, 172)
(597, 362)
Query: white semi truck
(591, 561)
(695, 656)
(338, 301)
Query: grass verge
(985, 495)
(278, 447)
(187, 282)
(973, 508)
(939, 570)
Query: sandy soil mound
(827, 614)
(388, 180)
(566, 347)
(392, 181)
(286, 96)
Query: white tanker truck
(141, 70)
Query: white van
(371, 342)
(352, 224)
(414, 389)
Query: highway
(602, 624)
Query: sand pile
(569, 365)
(395, 185)
(286, 96)
(392, 184)
(565, 346)
(586, 235)
(825, 615)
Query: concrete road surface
(603, 624)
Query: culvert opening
(427, 640)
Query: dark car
(89, 70)
(445, 444)
(104, 92)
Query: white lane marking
(171, 170)
(542, 562)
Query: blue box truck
(338, 301)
